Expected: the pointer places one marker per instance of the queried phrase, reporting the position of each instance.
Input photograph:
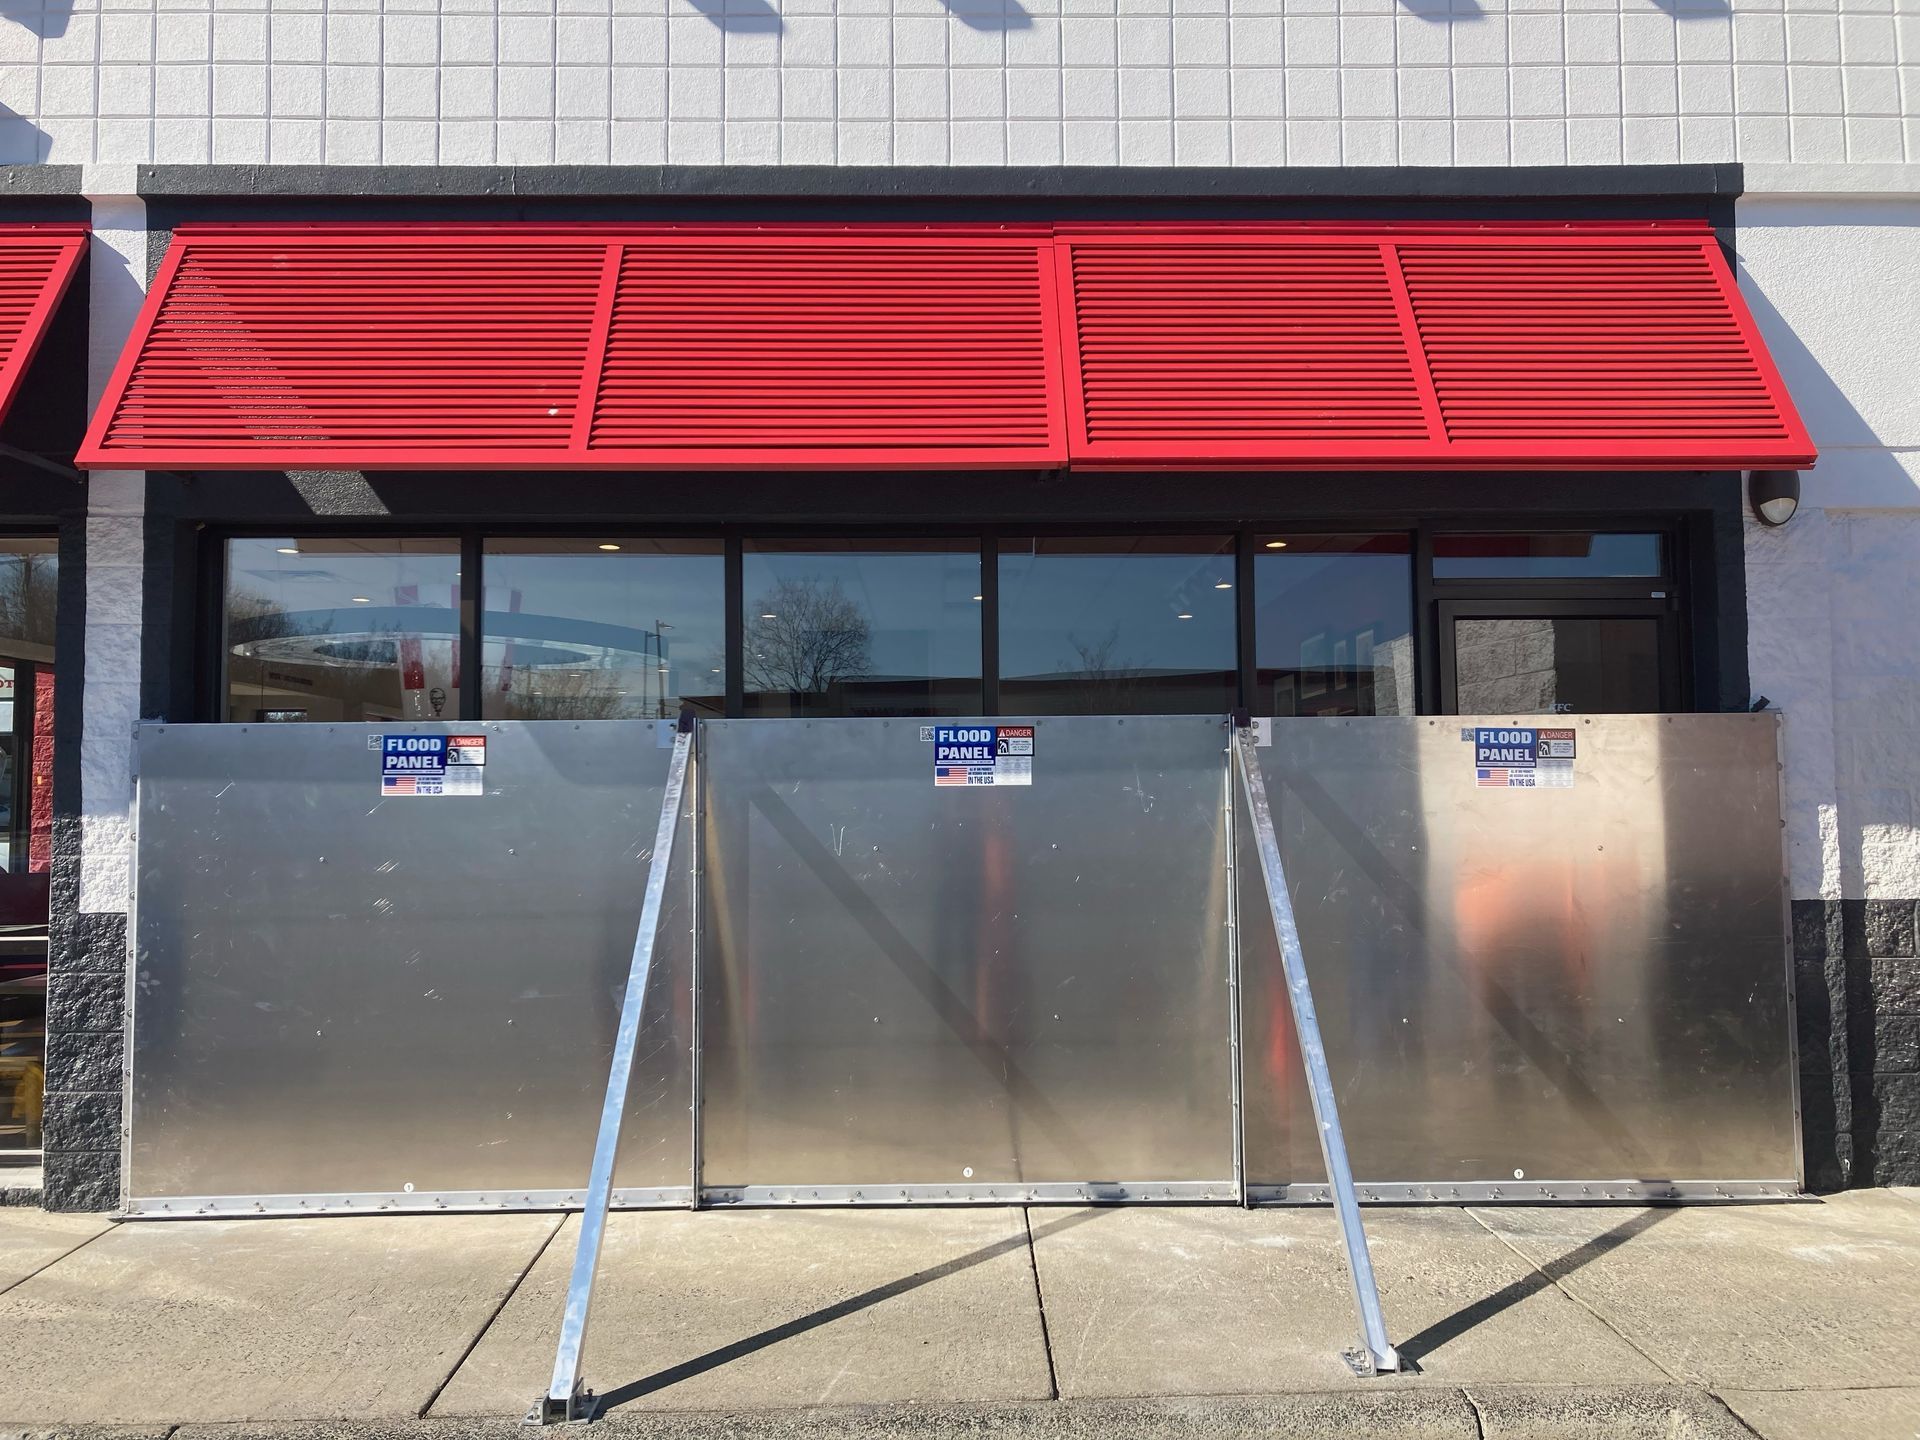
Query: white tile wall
(1103, 82)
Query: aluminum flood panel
(1529, 987)
(911, 985)
(411, 1000)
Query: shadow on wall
(744, 17)
(45, 18)
(1874, 474)
(1694, 9)
(21, 141)
(989, 14)
(760, 17)
(1444, 12)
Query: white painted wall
(1834, 596)
(964, 82)
(116, 510)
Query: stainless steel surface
(1378, 1353)
(334, 998)
(1586, 984)
(1155, 1192)
(201, 1207)
(337, 993)
(1548, 1192)
(1230, 810)
(564, 1400)
(910, 985)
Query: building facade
(1789, 132)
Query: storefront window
(342, 629)
(1557, 665)
(1557, 555)
(861, 627)
(1334, 624)
(1121, 625)
(602, 629)
(29, 571)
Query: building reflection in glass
(861, 627)
(1117, 625)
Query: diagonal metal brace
(567, 1398)
(1377, 1355)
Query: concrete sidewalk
(1790, 1321)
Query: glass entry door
(1557, 657)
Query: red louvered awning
(1416, 346)
(1274, 346)
(587, 347)
(37, 264)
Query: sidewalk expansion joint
(1548, 1273)
(559, 1223)
(64, 1254)
(1040, 1304)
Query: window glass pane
(1559, 555)
(29, 576)
(1117, 625)
(28, 586)
(342, 629)
(603, 629)
(1542, 665)
(867, 627)
(1333, 625)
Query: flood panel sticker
(1521, 758)
(433, 765)
(981, 754)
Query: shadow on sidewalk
(853, 1304)
(1418, 1347)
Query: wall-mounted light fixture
(1774, 495)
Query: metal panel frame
(566, 1399)
(1138, 1192)
(1377, 1353)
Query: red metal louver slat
(1516, 346)
(37, 264)
(1309, 346)
(590, 347)
(926, 348)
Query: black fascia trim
(1007, 500)
(921, 182)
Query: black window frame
(1684, 544)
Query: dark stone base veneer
(1857, 973)
(86, 1006)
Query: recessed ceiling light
(1276, 544)
(1223, 585)
(1183, 615)
(768, 615)
(979, 597)
(716, 669)
(288, 549)
(609, 547)
(363, 599)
